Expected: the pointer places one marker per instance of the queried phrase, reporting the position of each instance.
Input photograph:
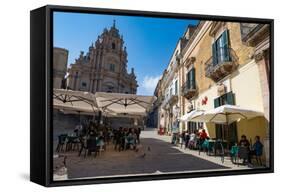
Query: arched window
(113, 45)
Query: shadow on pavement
(159, 156)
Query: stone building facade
(258, 36)
(60, 57)
(167, 105)
(219, 66)
(104, 67)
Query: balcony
(189, 89)
(173, 99)
(159, 101)
(169, 101)
(224, 64)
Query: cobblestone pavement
(160, 157)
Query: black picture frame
(41, 42)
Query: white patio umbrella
(226, 114)
(119, 103)
(130, 115)
(69, 111)
(74, 100)
(190, 115)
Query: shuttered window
(190, 78)
(222, 132)
(220, 49)
(227, 98)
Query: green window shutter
(225, 39)
(192, 78)
(214, 54)
(216, 102)
(188, 80)
(230, 98)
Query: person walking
(187, 137)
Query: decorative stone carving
(106, 61)
(216, 25)
(259, 56)
(190, 61)
(189, 106)
(221, 89)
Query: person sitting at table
(193, 140)
(138, 132)
(244, 142)
(187, 138)
(100, 142)
(91, 143)
(244, 149)
(130, 140)
(203, 135)
(182, 138)
(135, 137)
(77, 127)
(257, 150)
(117, 138)
(122, 139)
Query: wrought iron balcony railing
(159, 101)
(222, 64)
(170, 100)
(189, 89)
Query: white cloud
(149, 83)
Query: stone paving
(160, 157)
(214, 159)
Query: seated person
(203, 135)
(244, 142)
(187, 138)
(258, 146)
(257, 149)
(244, 149)
(192, 140)
(100, 141)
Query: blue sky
(150, 42)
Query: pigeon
(142, 156)
(64, 161)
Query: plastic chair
(61, 142)
(234, 154)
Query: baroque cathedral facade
(104, 67)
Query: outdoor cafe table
(214, 145)
(239, 152)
